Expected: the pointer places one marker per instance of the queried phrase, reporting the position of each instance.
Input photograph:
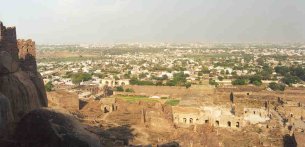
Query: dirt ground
(128, 125)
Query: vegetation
(79, 77)
(179, 80)
(135, 81)
(255, 80)
(119, 88)
(289, 80)
(276, 87)
(172, 102)
(135, 99)
(239, 81)
(129, 90)
(49, 86)
(213, 82)
(291, 75)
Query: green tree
(255, 80)
(79, 77)
(239, 81)
(289, 80)
(276, 87)
(282, 70)
(49, 86)
(205, 70)
(220, 78)
(119, 88)
(188, 85)
(213, 82)
(129, 90)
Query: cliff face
(21, 86)
(6, 116)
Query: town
(152, 73)
(257, 88)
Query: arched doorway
(106, 109)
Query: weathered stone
(7, 64)
(21, 92)
(171, 144)
(6, 116)
(47, 127)
(26, 47)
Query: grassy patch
(172, 102)
(133, 99)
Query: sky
(176, 21)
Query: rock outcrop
(47, 128)
(24, 122)
(6, 116)
(24, 89)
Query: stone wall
(64, 99)
(27, 55)
(26, 48)
(8, 41)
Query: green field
(133, 99)
(172, 102)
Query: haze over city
(152, 73)
(120, 21)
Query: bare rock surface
(7, 64)
(21, 92)
(47, 127)
(6, 115)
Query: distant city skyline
(173, 21)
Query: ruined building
(27, 54)
(22, 51)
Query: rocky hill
(23, 120)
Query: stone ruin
(21, 51)
(8, 41)
(27, 54)
(108, 105)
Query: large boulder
(22, 93)
(6, 115)
(7, 63)
(47, 127)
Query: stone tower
(26, 48)
(8, 41)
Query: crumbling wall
(8, 41)
(27, 55)
(26, 47)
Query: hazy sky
(107, 21)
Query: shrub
(49, 86)
(129, 90)
(119, 88)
